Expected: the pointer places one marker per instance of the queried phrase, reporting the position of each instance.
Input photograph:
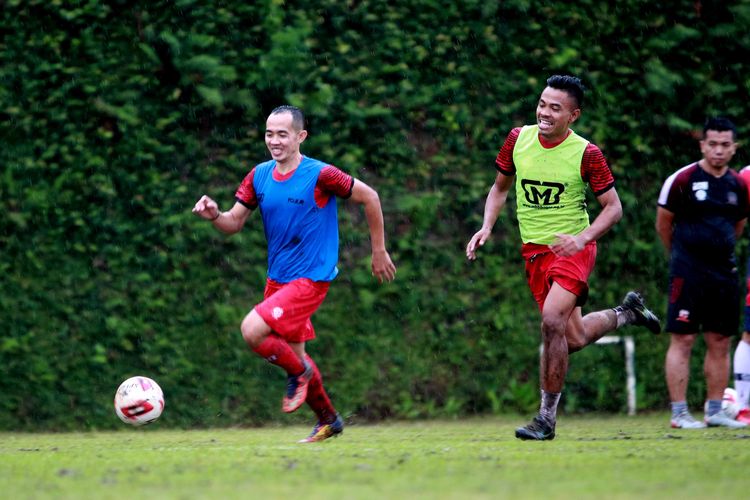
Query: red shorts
(287, 307)
(572, 273)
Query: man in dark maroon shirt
(702, 210)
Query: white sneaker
(686, 421)
(721, 419)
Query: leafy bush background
(118, 115)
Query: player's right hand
(383, 267)
(478, 240)
(206, 208)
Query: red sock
(275, 350)
(317, 398)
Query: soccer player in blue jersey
(701, 211)
(296, 196)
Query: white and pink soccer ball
(139, 401)
(730, 403)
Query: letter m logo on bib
(542, 193)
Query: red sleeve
(245, 194)
(744, 181)
(595, 171)
(332, 181)
(745, 176)
(504, 160)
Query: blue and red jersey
(300, 217)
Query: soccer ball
(730, 403)
(139, 401)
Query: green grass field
(592, 457)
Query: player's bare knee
(252, 329)
(682, 343)
(552, 326)
(718, 345)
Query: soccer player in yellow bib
(553, 166)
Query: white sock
(548, 407)
(624, 316)
(742, 372)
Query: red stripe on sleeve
(245, 194)
(743, 181)
(596, 171)
(504, 160)
(332, 182)
(745, 176)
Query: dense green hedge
(118, 115)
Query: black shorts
(703, 301)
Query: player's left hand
(382, 266)
(206, 208)
(566, 245)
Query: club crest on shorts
(277, 312)
(683, 315)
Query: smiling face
(718, 148)
(555, 112)
(283, 140)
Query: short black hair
(298, 117)
(570, 84)
(720, 124)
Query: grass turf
(592, 457)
